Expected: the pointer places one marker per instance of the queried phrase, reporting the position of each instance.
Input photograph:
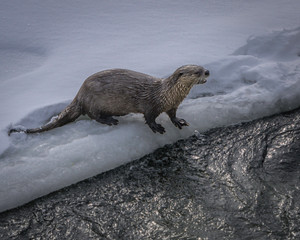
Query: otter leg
(155, 127)
(176, 121)
(109, 120)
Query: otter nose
(206, 73)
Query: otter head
(190, 75)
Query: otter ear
(176, 76)
(180, 74)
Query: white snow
(48, 48)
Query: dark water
(239, 182)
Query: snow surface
(48, 48)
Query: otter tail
(69, 114)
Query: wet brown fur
(118, 92)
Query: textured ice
(51, 47)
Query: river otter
(118, 92)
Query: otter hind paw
(108, 120)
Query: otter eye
(180, 74)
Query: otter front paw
(157, 128)
(179, 122)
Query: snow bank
(259, 79)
